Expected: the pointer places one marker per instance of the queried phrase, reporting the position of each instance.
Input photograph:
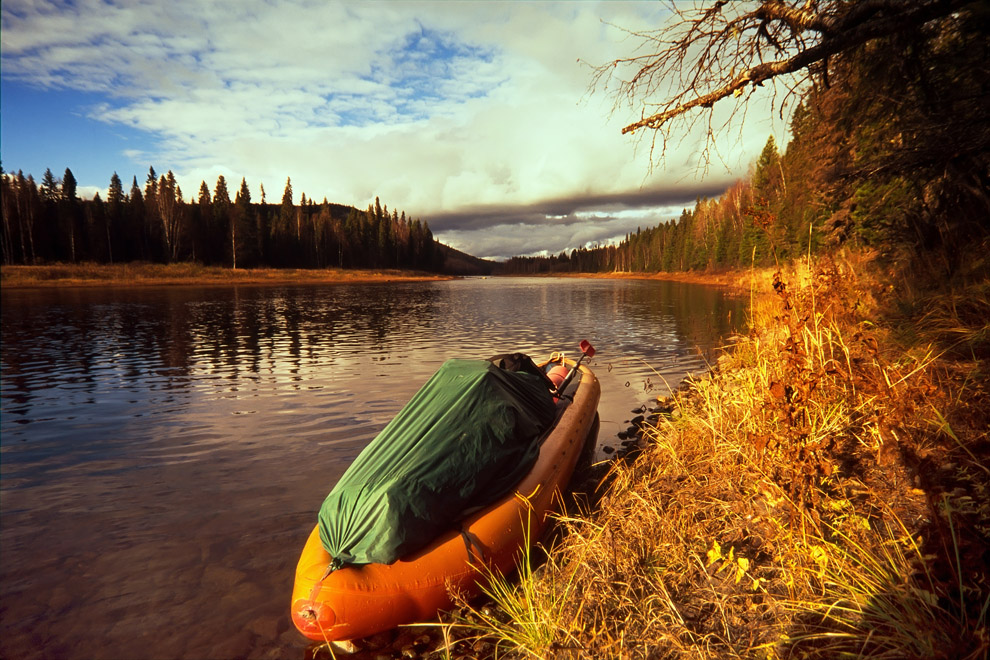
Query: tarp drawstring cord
(335, 564)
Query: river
(165, 450)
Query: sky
(477, 117)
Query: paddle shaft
(570, 374)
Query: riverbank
(147, 274)
(821, 493)
(737, 281)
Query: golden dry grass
(148, 274)
(822, 493)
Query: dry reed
(821, 493)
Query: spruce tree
(263, 229)
(288, 232)
(8, 237)
(221, 215)
(50, 189)
(69, 188)
(242, 226)
(133, 219)
(69, 220)
(98, 230)
(114, 213)
(115, 193)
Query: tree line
(48, 222)
(750, 223)
(889, 151)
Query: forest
(889, 154)
(47, 222)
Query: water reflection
(164, 451)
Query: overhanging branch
(839, 32)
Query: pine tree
(204, 198)
(767, 186)
(115, 212)
(242, 225)
(287, 210)
(199, 227)
(222, 210)
(766, 177)
(262, 228)
(6, 202)
(98, 230)
(383, 240)
(50, 189)
(149, 217)
(283, 230)
(48, 219)
(69, 215)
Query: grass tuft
(821, 493)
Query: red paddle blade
(587, 348)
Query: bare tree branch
(715, 50)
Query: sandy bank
(143, 274)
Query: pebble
(345, 646)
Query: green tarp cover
(464, 440)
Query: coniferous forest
(888, 154)
(47, 222)
(891, 154)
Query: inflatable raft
(331, 601)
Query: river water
(165, 450)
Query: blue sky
(474, 116)
(51, 129)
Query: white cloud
(434, 107)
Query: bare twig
(716, 49)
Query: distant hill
(456, 262)
(51, 224)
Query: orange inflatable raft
(362, 600)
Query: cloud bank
(473, 116)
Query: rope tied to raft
(310, 612)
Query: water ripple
(171, 434)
